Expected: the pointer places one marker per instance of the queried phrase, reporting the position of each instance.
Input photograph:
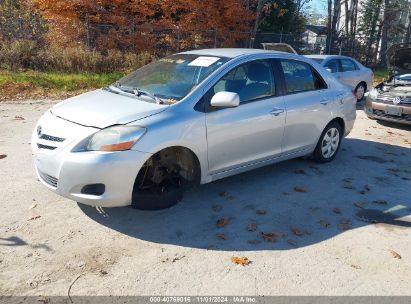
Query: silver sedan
(349, 71)
(193, 117)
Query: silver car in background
(193, 117)
(348, 71)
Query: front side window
(300, 76)
(252, 80)
(348, 65)
(333, 66)
(173, 77)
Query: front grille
(404, 117)
(48, 179)
(41, 146)
(51, 138)
(389, 99)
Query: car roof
(232, 52)
(327, 56)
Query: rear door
(308, 103)
(350, 73)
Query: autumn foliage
(136, 23)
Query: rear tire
(329, 143)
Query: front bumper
(377, 110)
(67, 173)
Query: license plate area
(396, 111)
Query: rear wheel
(360, 91)
(163, 179)
(329, 143)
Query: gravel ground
(318, 240)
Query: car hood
(399, 58)
(102, 109)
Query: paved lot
(319, 242)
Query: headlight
(118, 138)
(373, 94)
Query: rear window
(348, 65)
(318, 60)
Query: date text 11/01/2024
(204, 299)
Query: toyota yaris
(193, 117)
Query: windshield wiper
(138, 92)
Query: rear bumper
(376, 110)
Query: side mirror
(225, 100)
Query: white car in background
(348, 71)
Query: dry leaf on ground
(296, 231)
(3, 156)
(243, 261)
(223, 193)
(252, 227)
(355, 266)
(33, 206)
(221, 236)
(337, 210)
(300, 189)
(261, 211)
(18, 118)
(345, 224)
(380, 202)
(254, 242)
(271, 237)
(324, 223)
(359, 205)
(292, 242)
(222, 222)
(395, 255)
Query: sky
(318, 6)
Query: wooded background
(108, 34)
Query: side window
(300, 76)
(252, 80)
(332, 65)
(348, 65)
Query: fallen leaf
(261, 211)
(395, 255)
(223, 193)
(367, 188)
(345, 224)
(337, 210)
(243, 261)
(380, 202)
(252, 227)
(103, 272)
(292, 242)
(269, 237)
(349, 186)
(254, 242)
(299, 171)
(324, 223)
(222, 222)
(359, 205)
(18, 118)
(3, 156)
(296, 231)
(221, 236)
(348, 179)
(355, 266)
(33, 206)
(216, 208)
(34, 217)
(300, 189)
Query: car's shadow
(368, 182)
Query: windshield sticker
(203, 61)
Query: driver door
(252, 131)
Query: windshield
(173, 77)
(404, 77)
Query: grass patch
(33, 84)
(380, 75)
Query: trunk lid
(102, 109)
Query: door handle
(276, 111)
(324, 101)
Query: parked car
(391, 99)
(193, 117)
(349, 71)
